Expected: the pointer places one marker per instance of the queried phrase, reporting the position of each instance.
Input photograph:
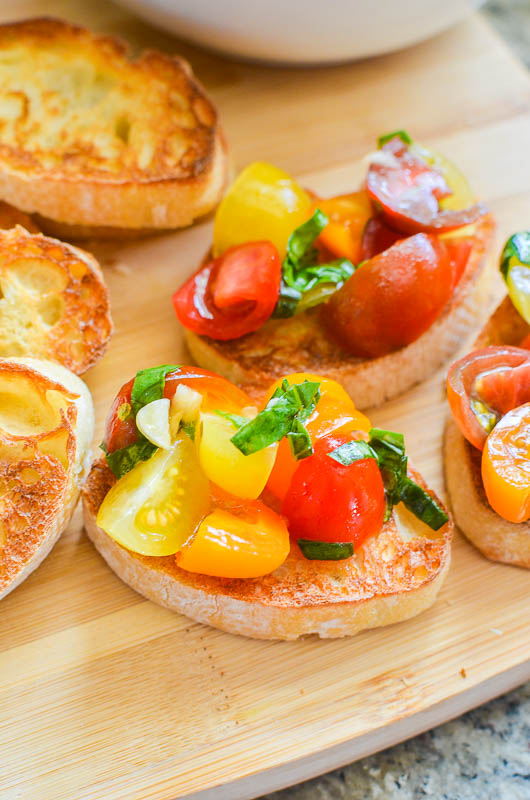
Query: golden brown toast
(494, 536)
(91, 138)
(46, 427)
(393, 576)
(53, 301)
(302, 344)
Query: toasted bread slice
(46, 428)
(393, 576)
(93, 139)
(302, 344)
(494, 536)
(505, 326)
(53, 301)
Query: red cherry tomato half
(377, 236)
(121, 431)
(393, 298)
(526, 342)
(492, 380)
(329, 502)
(408, 191)
(459, 252)
(233, 294)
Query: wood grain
(104, 695)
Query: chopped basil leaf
(387, 137)
(300, 269)
(283, 415)
(349, 452)
(189, 429)
(389, 448)
(422, 504)
(149, 385)
(325, 551)
(122, 461)
(516, 251)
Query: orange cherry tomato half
(486, 384)
(348, 215)
(393, 298)
(232, 295)
(506, 465)
(330, 502)
(335, 411)
(237, 539)
(408, 191)
(120, 429)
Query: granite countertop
(485, 754)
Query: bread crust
(495, 537)
(54, 302)
(41, 470)
(148, 153)
(302, 344)
(394, 576)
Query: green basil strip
(422, 505)
(284, 414)
(349, 452)
(300, 270)
(387, 137)
(325, 551)
(149, 385)
(516, 251)
(189, 429)
(122, 461)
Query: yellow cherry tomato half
(348, 215)
(335, 411)
(462, 196)
(506, 465)
(244, 539)
(263, 203)
(225, 465)
(155, 507)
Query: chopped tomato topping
(121, 431)
(409, 190)
(525, 344)
(393, 298)
(348, 215)
(485, 385)
(506, 465)
(233, 294)
(335, 411)
(329, 502)
(377, 236)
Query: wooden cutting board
(104, 695)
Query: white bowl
(303, 32)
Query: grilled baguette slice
(53, 302)
(46, 428)
(97, 142)
(302, 344)
(494, 536)
(392, 577)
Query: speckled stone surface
(484, 755)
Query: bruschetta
(46, 429)
(487, 439)
(277, 520)
(374, 289)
